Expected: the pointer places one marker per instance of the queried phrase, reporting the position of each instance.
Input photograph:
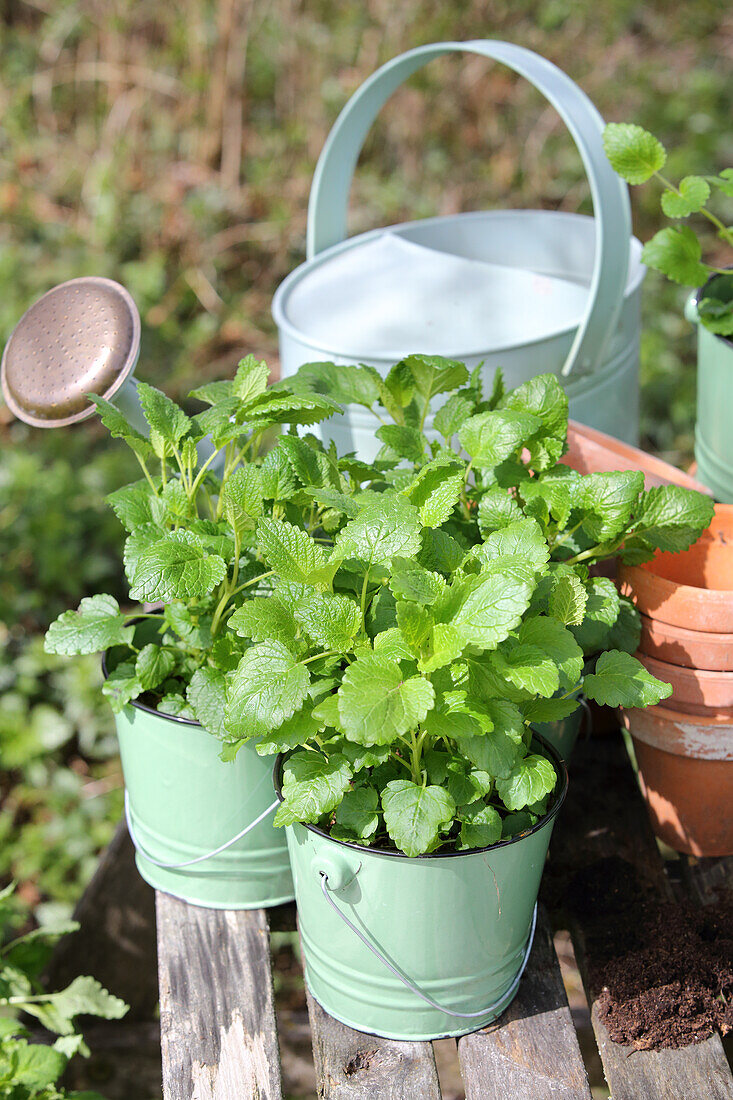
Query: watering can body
(527, 291)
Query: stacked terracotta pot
(684, 746)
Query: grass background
(171, 147)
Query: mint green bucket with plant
(713, 436)
(418, 947)
(202, 828)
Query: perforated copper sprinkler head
(81, 337)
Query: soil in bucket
(665, 970)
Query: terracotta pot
(693, 589)
(687, 648)
(591, 451)
(694, 691)
(686, 776)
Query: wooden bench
(217, 1010)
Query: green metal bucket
(713, 436)
(563, 735)
(202, 829)
(418, 948)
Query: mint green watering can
(202, 829)
(525, 290)
(423, 947)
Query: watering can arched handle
(329, 197)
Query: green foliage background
(171, 147)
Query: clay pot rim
(686, 671)
(678, 717)
(671, 589)
(721, 638)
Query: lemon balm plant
(404, 653)
(201, 827)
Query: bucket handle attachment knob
(505, 997)
(199, 859)
(329, 197)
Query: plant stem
(317, 656)
(145, 470)
(202, 471)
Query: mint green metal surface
(184, 802)
(597, 351)
(456, 926)
(562, 735)
(714, 428)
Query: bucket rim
(550, 751)
(144, 706)
(286, 287)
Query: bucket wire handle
(329, 196)
(413, 988)
(199, 859)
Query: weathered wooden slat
(603, 822)
(116, 940)
(217, 1012)
(531, 1052)
(353, 1066)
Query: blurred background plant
(171, 146)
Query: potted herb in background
(398, 666)
(685, 752)
(202, 827)
(638, 156)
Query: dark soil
(662, 972)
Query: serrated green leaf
(440, 552)
(377, 703)
(357, 812)
(436, 490)
(251, 378)
(346, 383)
(527, 667)
(607, 500)
(415, 815)
(263, 619)
(121, 686)
(313, 785)
(434, 374)
(214, 392)
(632, 151)
(567, 599)
(554, 640)
(332, 621)
(496, 509)
(391, 643)
(295, 731)
(153, 665)
(676, 252)
(543, 398)
(601, 612)
(409, 581)
(267, 687)
(34, 1067)
(716, 314)
(278, 477)
(550, 710)
(404, 442)
(621, 681)
(671, 517)
(492, 604)
(96, 625)
(382, 530)
(291, 552)
(520, 539)
(118, 427)
(176, 567)
(242, 498)
(451, 416)
(530, 780)
(626, 631)
(694, 192)
(207, 694)
(134, 505)
(162, 414)
(480, 826)
(492, 437)
(175, 704)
